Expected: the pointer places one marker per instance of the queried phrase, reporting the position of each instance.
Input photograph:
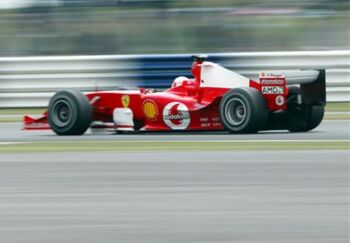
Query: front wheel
(243, 110)
(69, 113)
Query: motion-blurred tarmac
(291, 196)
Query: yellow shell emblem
(125, 100)
(150, 109)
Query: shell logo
(150, 109)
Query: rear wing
(312, 85)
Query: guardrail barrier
(30, 81)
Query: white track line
(4, 143)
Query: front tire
(243, 110)
(69, 113)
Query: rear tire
(304, 118)
(69, 113)
(243, 110)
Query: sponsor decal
(206, 124)
(125, 100)
(176, 116)
(279, 100)
(272, 90)
(272, 81)
(212, 122)
(150, 109)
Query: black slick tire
(243, 110)
(69, 113)
(304, 118)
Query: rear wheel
(306, 118)
(69, 113)
(303, 117)
(243, 110)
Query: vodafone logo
(176, 116)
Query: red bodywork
(188, 106)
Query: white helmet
(179, 81)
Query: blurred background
(79, 27)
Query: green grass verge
(338, 106)
(21, 111)
(337, 116)
(89, 146)
(11, 119)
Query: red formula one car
(215, 99)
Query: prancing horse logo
(125, 100)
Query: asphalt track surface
(328, 130)
(171, 196)
(270, 197)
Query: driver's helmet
(179, 81)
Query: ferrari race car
(214, 99)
